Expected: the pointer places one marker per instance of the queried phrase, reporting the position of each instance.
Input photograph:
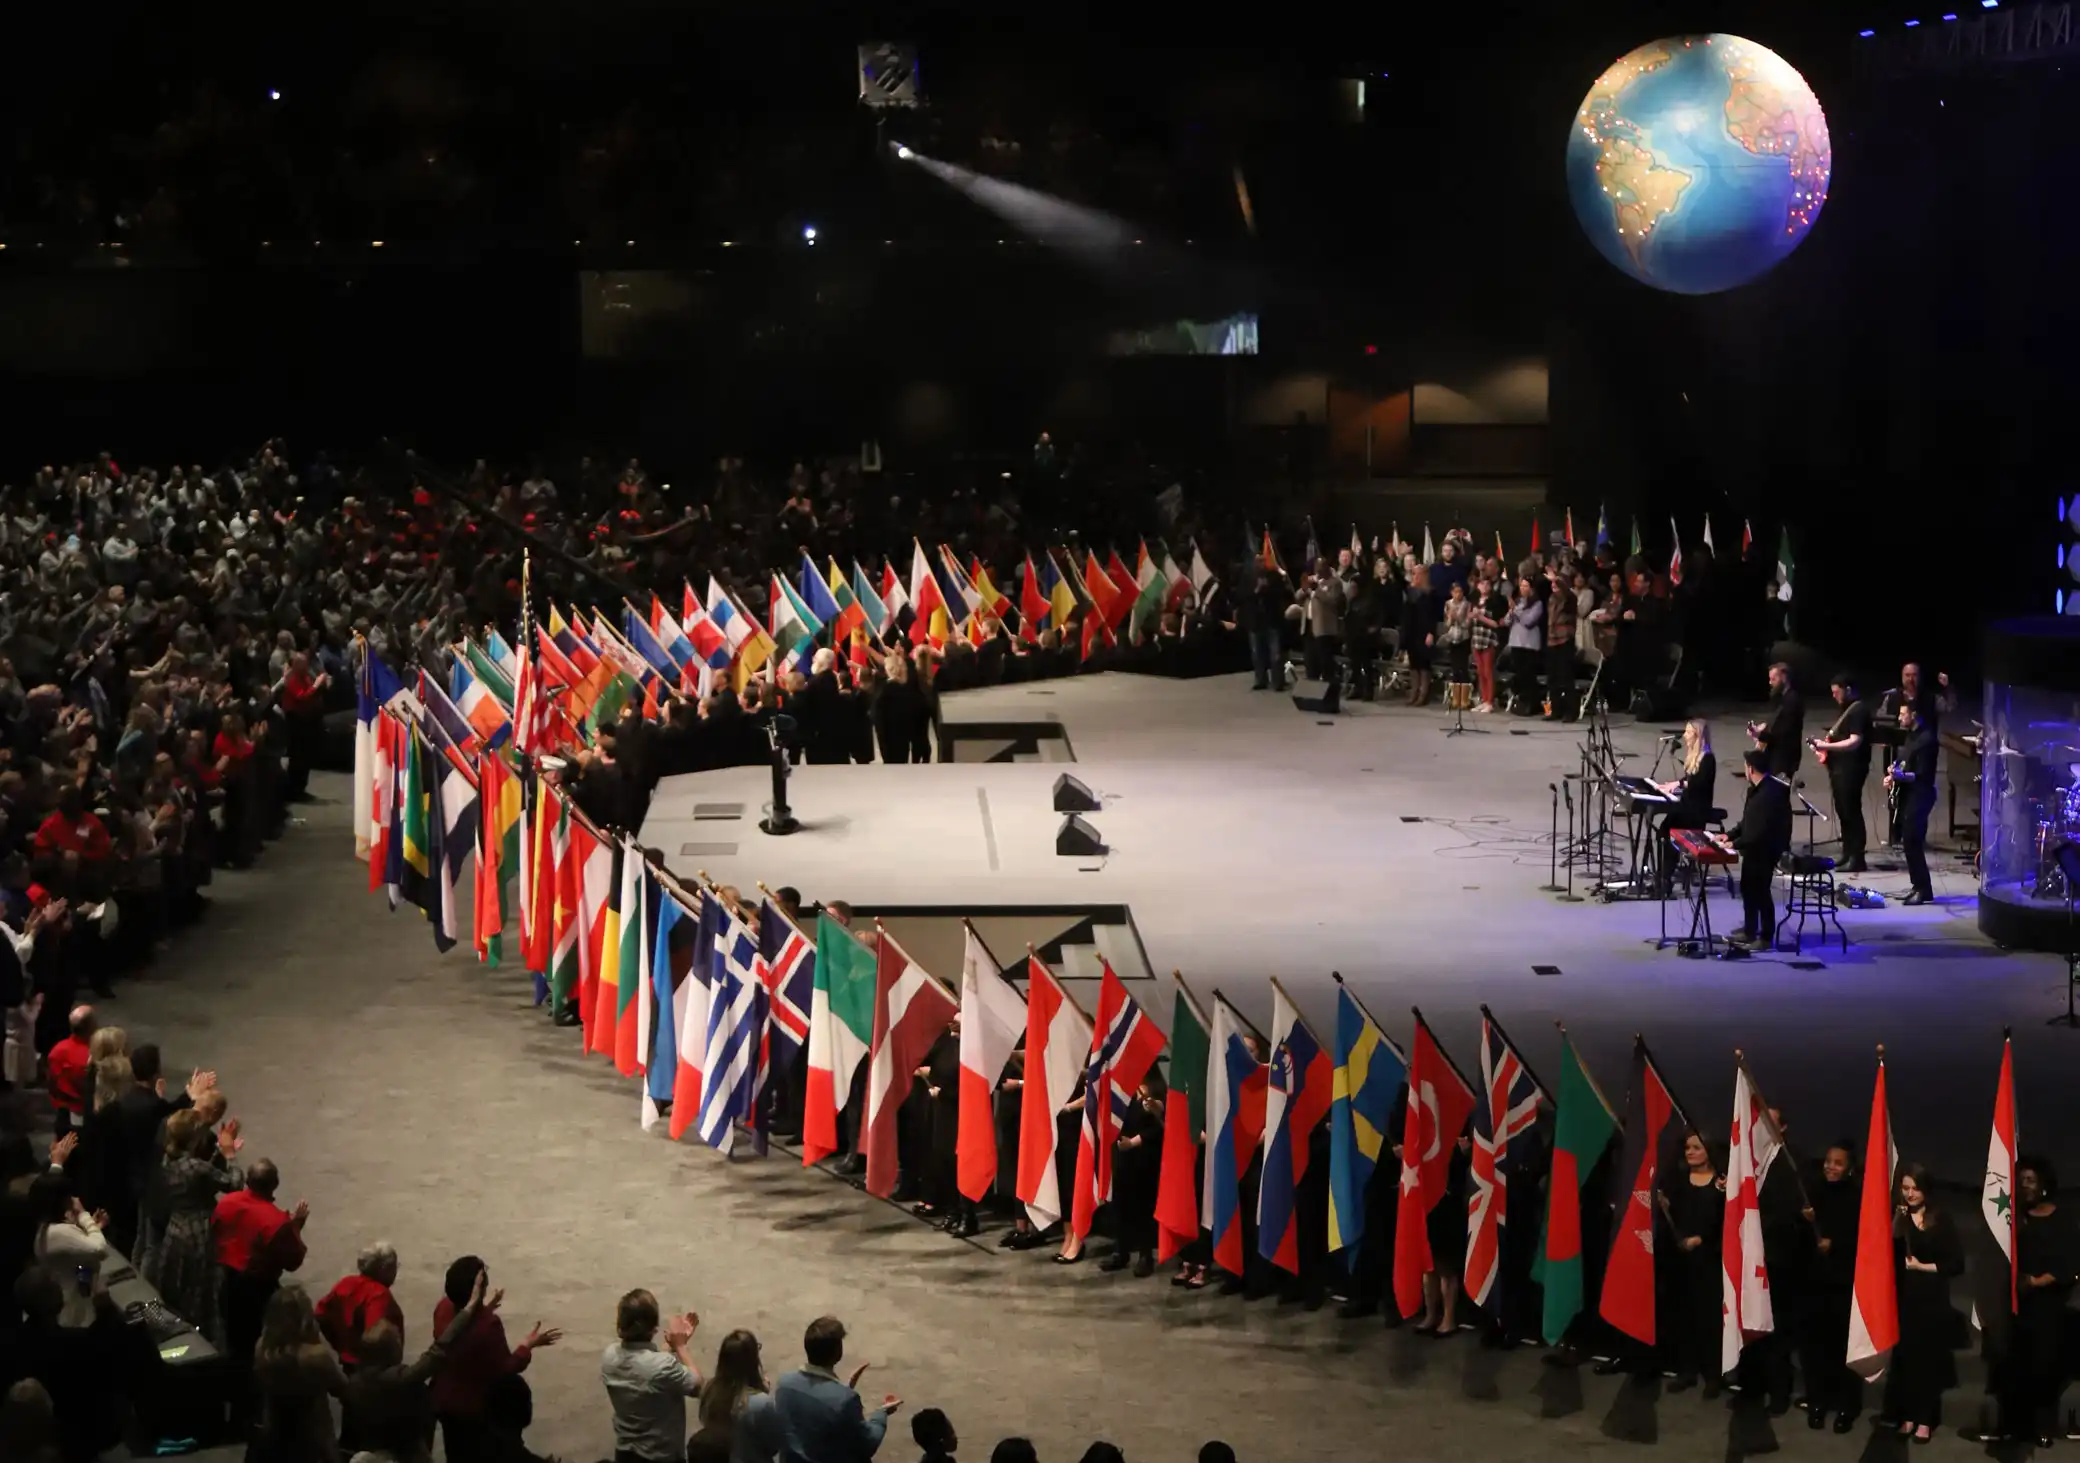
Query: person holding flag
(1504, 1114)
(1367, 1083)
(1841, 1205)
(1297, 1101)
(1430, 1231)
(1930, 1254)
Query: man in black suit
(1780, 736)
(1761, 837)
(132, 1156)
(1916, 781)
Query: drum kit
(2046, 782)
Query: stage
(1245, 839)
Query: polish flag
(993, 1018)
(1058, 1036)
(1874, 1310)
(1744, 1309)
(912, 1009)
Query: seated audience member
(87, 1371)
(647, 1385)
(28, 1424)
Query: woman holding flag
(1930, 1255)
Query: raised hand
(62, 1149)
(857, 1372)
(543, 1336)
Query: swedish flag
(1369, 1074)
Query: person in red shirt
(66, 1068)
(72, 829)
(360, 1301)
(465, 1390)
(303, 712)
(256, 1241)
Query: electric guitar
(1819, 754)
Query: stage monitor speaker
(1071, 796)
(1078, 838)
(1318, 698)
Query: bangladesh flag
(1184, 1118)
(1583, 1129)
(841, 1027)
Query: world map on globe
(1697, 163)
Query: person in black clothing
(2030, 1378)
(1779, 737)
(1694, 1204)
(1846, 750)
(1823, 1339)
(823, 707)
(899, 715)
(1264, 617)
(1929, 1253)
(137, 1118)
(1692, 792)
(942, 1195)
(1761, 837)
(1136, 1155)
(1418, 631)
(1787, 1251)
(1914, 775)
(603, 791)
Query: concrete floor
(423, 1100)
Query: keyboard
(1702, 847)
(1639, 790)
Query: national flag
(563, 686)
(1054, 588)
(1997, 1191)
(532, 696)
(377, 686)
(498, 855)
(1152, 593)
(1874, 1301)
(1096, 635)
(1058, 1036)
(1357, 546)
(443, 725)
(1267, 554)
(1500, 556)
(1032, 604)
(1311, 551)
(1635, 549)
(1567, 527)
(1235, 1109)
(841, 1024)
(416, 832)
(1178, 587)
(452, 822)
(487, 720)
(901, 614)
(1297, 1098)
(962, 598)
(1184, 1119)
(1583, 1127)
(993, 1018)
(565, 925)
(495, 644)
(574, 645)
(488, 671)
(736, 1031)
(671, 637)
(596, 890)
(1745, 1310)
(817, 599)
(934, 620)
(1439, 1103)
(693, 999)
(1368, 1074)
(1535, 542)
(1709, 546)
(787, 965)
(635, 629)
(664, 1006)
(1124, 1046)
(638, 899)
(1747, 537)
(736, 629)
(1603, 528)
(1203, 577)
(794, 627)
(850, 615)
(703, 636)
(1784, 565)
(606, 968)
(380, 831)
(1675, 553)
(1652, 1120)
(1106, 600)
(877, 613)
(1503, 1115)
(912, 1009)
(1429, 549)
(990, 598)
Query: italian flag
(1583, 1129)
(1151, 590)
(841, 1028)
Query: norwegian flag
(1503, 1113)
(787, 967)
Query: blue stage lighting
(1912, 23)
(1866, 34)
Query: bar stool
(1811, 897)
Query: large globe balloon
(1698, 162)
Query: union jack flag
(1503, 1116)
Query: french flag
(1124, 1046)
(1297, 1099)
(1235, 1100)
(691, 999)
(1058, 1036)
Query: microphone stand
(1570, 897)
(1552, 883)
(1811, 813)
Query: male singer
(1761, 837)
(1846, 749)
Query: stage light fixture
(904, 153)
(1989, 4)
(1912, 23)
(1866, 34)
(273, 95)
(809, 234)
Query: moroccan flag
(841, 1026)
(993, 1018)
(1874, 1304)
(1583, 1127)
(912, 1009)
(1184, 1118)
(629, 965)
(1652, 1120)
(1439, 1103)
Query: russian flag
(478, 706)
(1297, 1098)
(1235, 1083)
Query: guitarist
(1845, 752)
(1780, 737)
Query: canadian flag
(1744, 1296)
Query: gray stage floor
(1249, 840)
(421, 1099)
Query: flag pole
(1594, 1086)
(1425, 1026)
(1298, 1014)
(1805, 1200)
(1543, 1090)
(1243, 1019)
(1639, 1043)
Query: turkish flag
(1439, 1105)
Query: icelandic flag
(697, 989)
(1235, 1102)
(736, 1030)
(787, 963)
(1297, 1098)
(662, 1071)
(1124, 1045)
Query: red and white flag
(1874, 1307)
(1675, 554)
(1439, 1103)
(1997, 1195)
(911, 1011)
(993, 1018)
(1124, 1045)
(1058, 1037)
(1744, 1309)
